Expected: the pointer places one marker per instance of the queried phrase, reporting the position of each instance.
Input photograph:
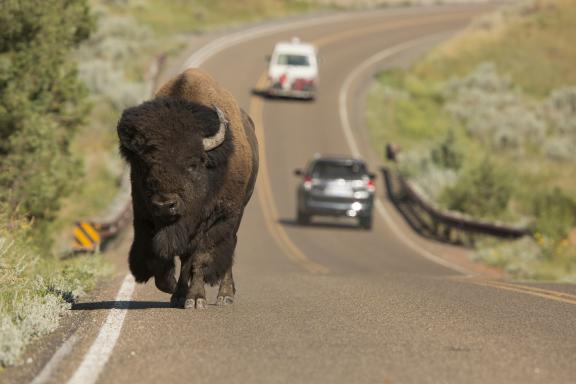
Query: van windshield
(293, 60)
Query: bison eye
(192, 168)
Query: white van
(293, 70)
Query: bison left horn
(214, 141)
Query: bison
(194, 158)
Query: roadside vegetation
(36, 288)
(487, 127)
(67, 69)
(43, 106)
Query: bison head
(176, 149)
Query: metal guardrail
(437, 222)
(94, 235)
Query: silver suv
(336, 186)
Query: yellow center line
(265, 194)
(533, 291)
(268, 204)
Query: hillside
(487, 126)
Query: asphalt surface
(330, 303)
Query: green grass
(160, 20)
(535, 46)
(36, 289)
(36, 286)
(186, 16)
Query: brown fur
(198, 86)
(162, 140)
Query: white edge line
(100, 351)
(218, 45)
(346, 127)
(48, 371)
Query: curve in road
(345, 305)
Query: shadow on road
(321, 224)
(266, 96)
(99, 305)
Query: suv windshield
(294, 60)
(338, 170)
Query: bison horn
(214, 141)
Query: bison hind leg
(227, 289)
(216, 270)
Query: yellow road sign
(86, 237)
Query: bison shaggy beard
(174, 238)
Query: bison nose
(165, 206)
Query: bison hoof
(224, 300)
(178, 302)
(199, 303)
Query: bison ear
(126, 133)
(126, 141)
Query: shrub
(555, 213)
(108, 83)
(41, 101)
(538, 258)
(35, 289)
(446, 154)
(482, 191)
(492, 110)
(561, 110)
(105, 57)
(560, 148)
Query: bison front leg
(178, 299)
(145, 264)
(196, 296)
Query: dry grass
(532, 41)
(496, 88)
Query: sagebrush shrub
(446, 153)
(482, 191)
(493, 110)
(41, 102)
(555, 213)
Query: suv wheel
(303, 218)
(366, 222)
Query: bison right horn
(214, 141)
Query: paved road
(330, 303)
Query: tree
(42, 102)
